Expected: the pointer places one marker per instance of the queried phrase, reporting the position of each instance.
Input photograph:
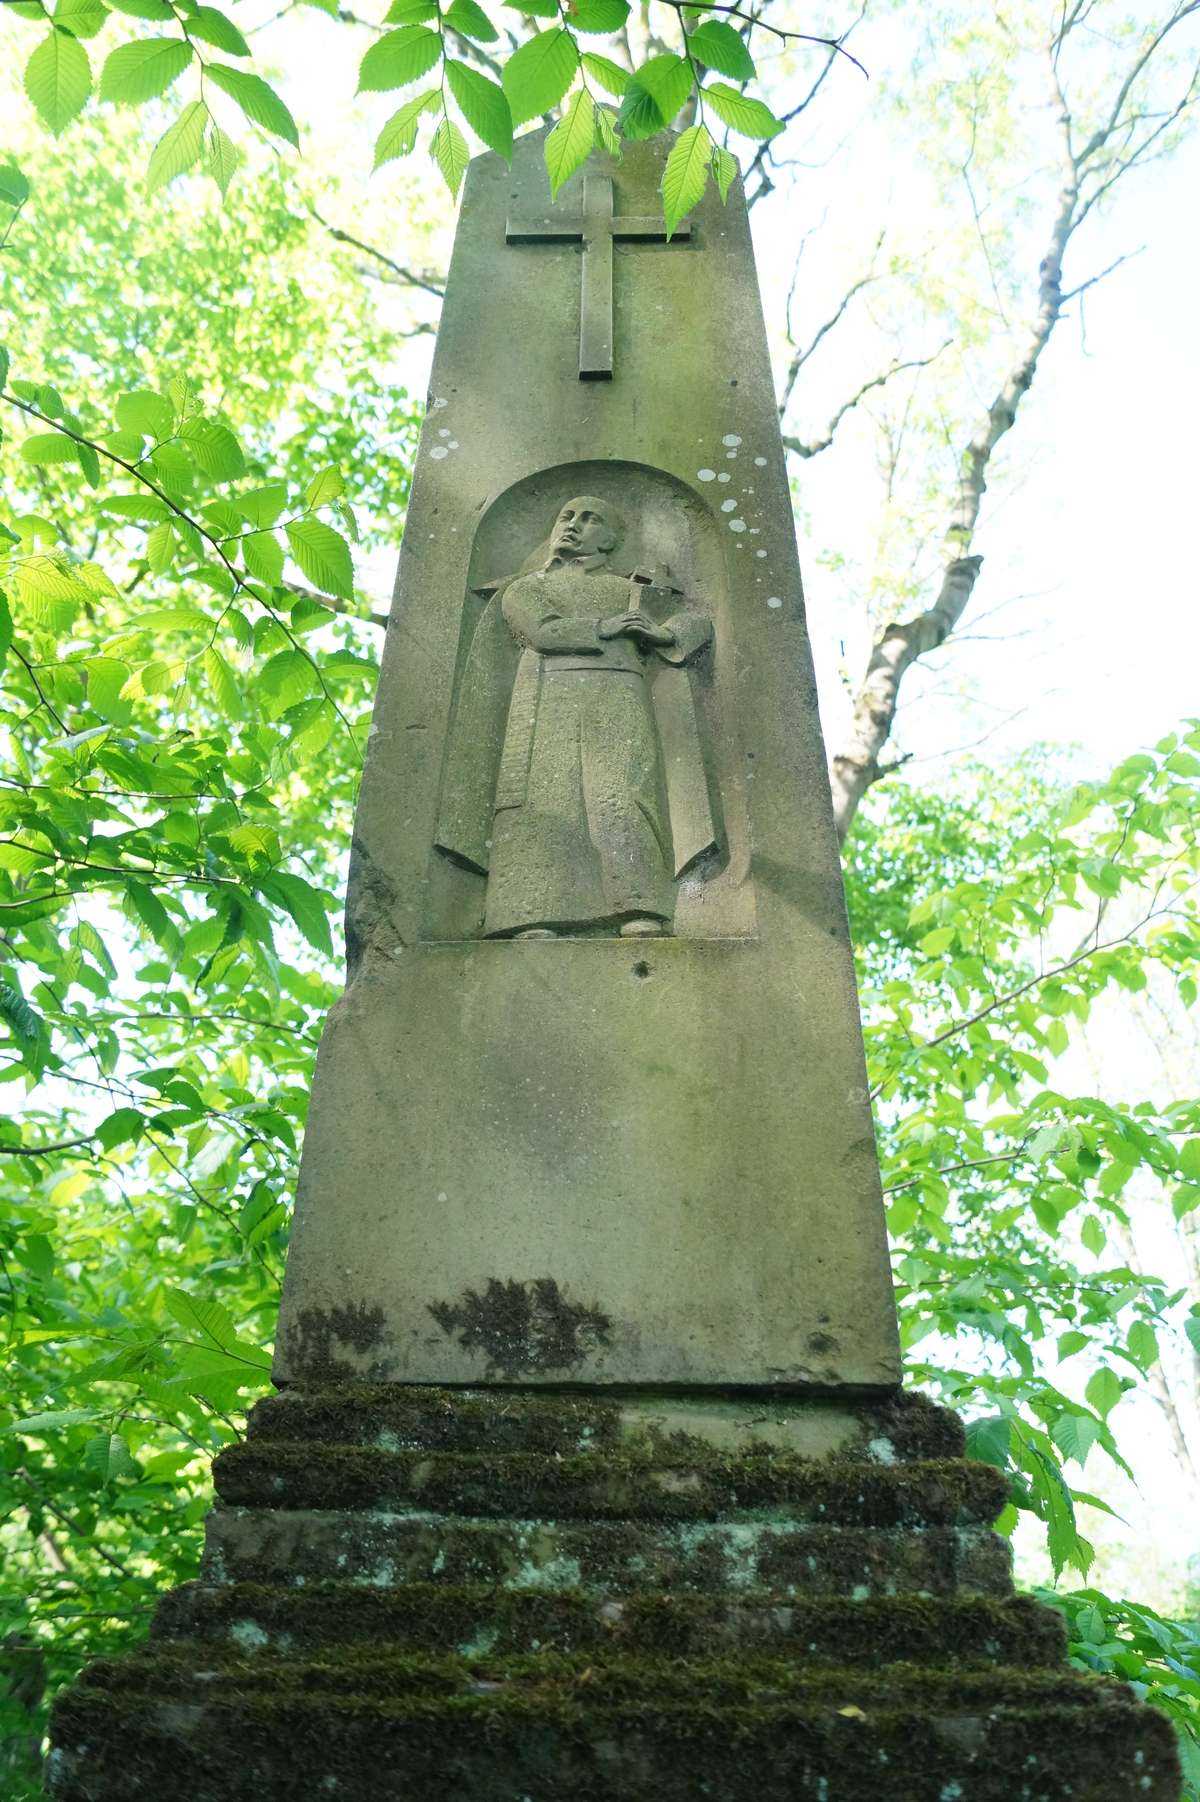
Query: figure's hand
(635, 626)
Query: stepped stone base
(414, 1595)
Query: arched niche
(667, 526)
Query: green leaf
(107, 1456)
(285, 679)
(263, 554)
(52, 1423)
(58, 80)
(537, 9)
(686, 174)
(24, 1022)
(148, 414)
(1191, 1327)
(611, 76)
(106, 677)
(48, 447)
(470, 21)
(305, 905)
(14, 191)
(260, 103)
(606, 135)
(451, 153)
(178, 148)
(749, 117)
(989, 1439)
(82, 18)
(537, 75)
(124, 1127)
(1104, 1390)
(322, 553)
(212, 27)
(146, 907)
(725, 169)
(325, 486)
(215, 448)
(484, 106)
(223, 684)
(397, 58)
(160, 547)
(158, 10)
(1075, 1435)
(202, 1319)
(570, 143)
(410, 12)
(1143, 1344)
(262, 506)
(141, 70)
(1093, 1235)
(654, 95)
(598, 15)
(223, 157)
(400, 133)
(718, 46)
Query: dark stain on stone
(370, 897)
(320, 1336)
(822, 1343)
(523, 1328)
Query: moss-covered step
(396, 1417)
(610, 1485)
(175, 1669)
(260, 1746)
(478, 1621)
(267, 1545)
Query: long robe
(598, 798)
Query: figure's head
(585, 527)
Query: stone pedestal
(507, 1596)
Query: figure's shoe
(643, 926)
(536, 932)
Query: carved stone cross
(596, 227)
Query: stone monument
(589, 1475)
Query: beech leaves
(555, 76)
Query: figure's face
(581, 531)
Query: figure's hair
(608, 512)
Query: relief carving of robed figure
(575, 779)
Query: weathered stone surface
(595, 1159)
(614, 1486)
(397, 1417)
(254, 1747)
(448, 1655)
(257, 1545)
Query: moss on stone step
(941, 1492)
(613, 1557)
(264, 1748)
(479, 1619)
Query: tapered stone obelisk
(592, 1116)
(593, 1108)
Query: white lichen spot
(442, 1195)
(454, 444)
(760, 462)
(706, 475)
(732, 455)
(951, 1792)
(443, 431)
(438, 1565)
(861, 1592)
(729, 506)
(249, 1635)
(773, 600)
(439, 400)
(384, 1574)
(882, 1450)
(737, 525)
(731, 438)
(481, 1645)
(760, 553)
(438, 452)
(724, 476)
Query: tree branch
(400, 274)
(815, 446)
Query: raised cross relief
(597, 226)
(575, 778)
